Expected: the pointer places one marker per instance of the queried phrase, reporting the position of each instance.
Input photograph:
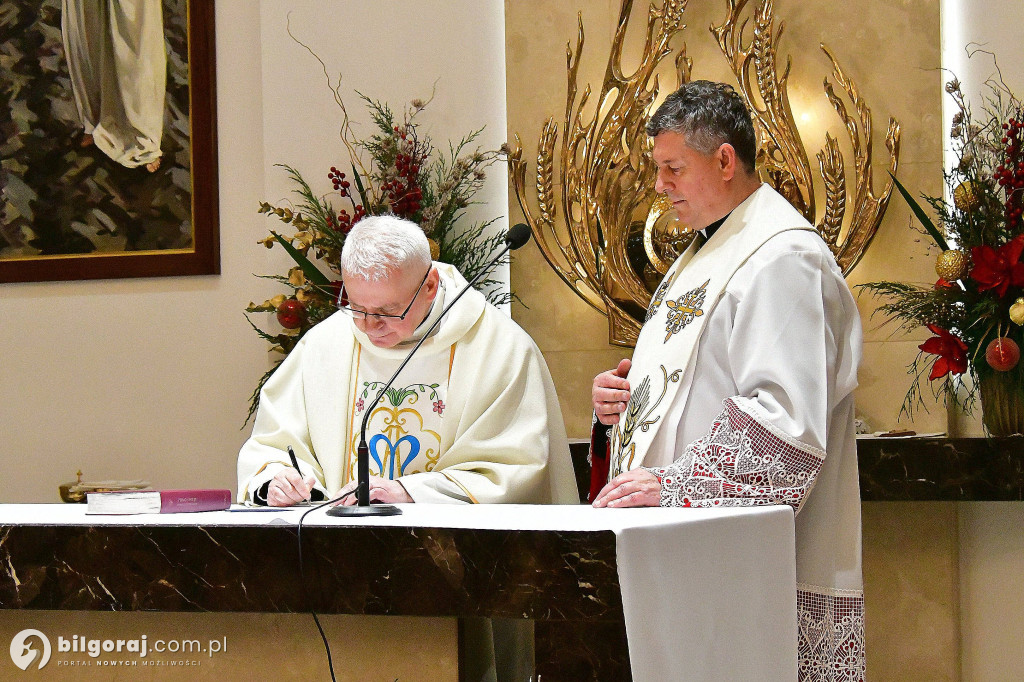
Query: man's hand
(381, 490)
(288, 488)
(636, 488)
(611, 393)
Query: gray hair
(378, 246)
(709, 115)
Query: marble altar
(572, 570)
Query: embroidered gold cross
(684, 309)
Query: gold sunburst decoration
(610, 241)
(665, 237)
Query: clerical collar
(709, 231)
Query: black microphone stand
(516, 237)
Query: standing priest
(472, 418)
(740, 391)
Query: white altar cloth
(707, 594)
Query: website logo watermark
(23, 651)
(31, 647)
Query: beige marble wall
(991, 542)
(992, 603)
(911, 589)
(891, 51)
(572, 335)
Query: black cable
(305, 587)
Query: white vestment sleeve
(783, 352)
(507, 443)
(768, 444)
(280, 422)
(743, 461)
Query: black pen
(295, 461)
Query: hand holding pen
(289, 487)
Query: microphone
(516, 237)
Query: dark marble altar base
(566, 582)
(942, 469)
(578, 650)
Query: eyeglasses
(362, 314)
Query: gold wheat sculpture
(598, 227)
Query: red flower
(998, 269)
(951, 350)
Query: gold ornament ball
(1017, 311)
(966, 195)
(951, 265)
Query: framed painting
(108, 146)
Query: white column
(991, 544)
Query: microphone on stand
(516, 237)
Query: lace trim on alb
(739, 463)
(830, 645)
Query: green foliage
(308, 269)
(929, 226)
(396, 170)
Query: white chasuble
(473, 417)
(742, 394)
(404, 428)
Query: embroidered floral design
(403, 443)
(684, 309)
(638, 415)
(396, 396)
(637, 404)
(659, 296)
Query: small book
(158, 501)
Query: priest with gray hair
(473, 418)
